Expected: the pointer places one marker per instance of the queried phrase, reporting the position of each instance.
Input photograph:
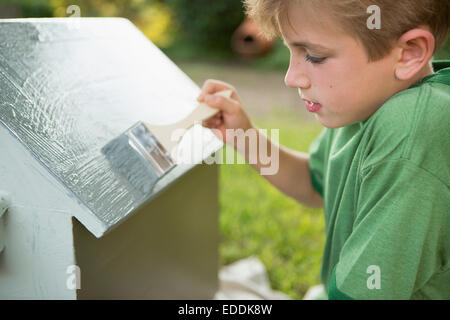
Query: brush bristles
(127, 161)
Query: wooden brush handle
(202, 112)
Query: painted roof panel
(69, 87)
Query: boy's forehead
(301, 24)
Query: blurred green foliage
(153, 17)
(29, 8)
(185, 29)
(205, 27)
(444, 52)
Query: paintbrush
(142, 155)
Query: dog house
(70, 226)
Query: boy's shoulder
(427, 100)
(413, 125)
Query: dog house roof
(70, 85)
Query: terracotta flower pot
(248, 41)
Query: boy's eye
(312, 59)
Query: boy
(381, 167)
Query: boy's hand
(231, 115)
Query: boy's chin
(333, 123)
(330, 123)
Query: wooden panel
(167, 250)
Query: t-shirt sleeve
(396, 244)
(318, 155)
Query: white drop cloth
(246, 279)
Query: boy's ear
(415, 49)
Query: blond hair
(397, 16)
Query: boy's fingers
(213, 86)
(212, 122)
(217, 116)
(222, 103)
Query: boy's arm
(293, 176)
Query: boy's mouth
(312, 106)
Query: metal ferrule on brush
(145, 143)
(139, 158)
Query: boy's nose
(296, 79)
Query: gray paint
(66, 91)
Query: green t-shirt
(385, 184)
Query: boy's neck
(426, 71)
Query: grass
(258, 220)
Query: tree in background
(206, 24)
(24, 8)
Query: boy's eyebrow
(307, 45)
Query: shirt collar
(441, 74)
